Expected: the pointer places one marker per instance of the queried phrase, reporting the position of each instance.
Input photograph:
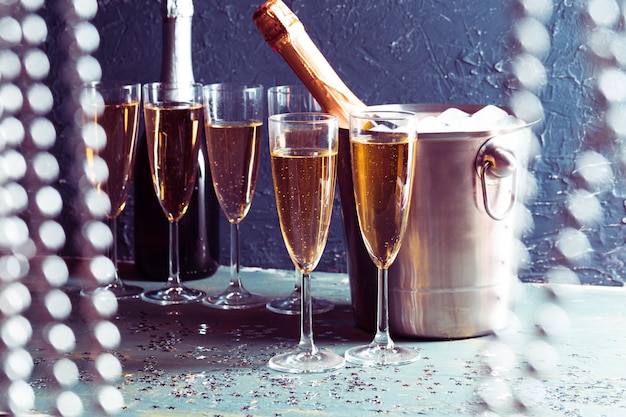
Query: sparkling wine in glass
(173, 116)
(233, 124)
(292, 99)
(383, 146)
(303, 150)
(111, 120)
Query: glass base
(291, 305)
(173, 295)
(371, 355)
(121, 292)
(306, 362)
(235, 299)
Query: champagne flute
(303, 149)
(292, 99)
(173, 117)
(234, 121)
(383, 146)
(111, 114)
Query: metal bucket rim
(432, 109)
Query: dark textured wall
(406, 51)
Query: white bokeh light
(46, 167)
(43, 133)
(52, 235)
(98, 234)
(87, 37)
(36, 64)
(49, 201)
(34, 29)
(40, 99)
(10, 65)
(55, 271)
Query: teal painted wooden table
(562, 355)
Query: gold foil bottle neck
(284, 32)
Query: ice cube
(490, 115)
(452, 115)
(509, 122)
(380, 127)
(430, 124)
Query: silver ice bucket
(455, 272)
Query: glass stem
(306, 316)
(297, 289)
(173, 280)
(113, 253)
(235, 275)
(382, 338)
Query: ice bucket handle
(499, 163)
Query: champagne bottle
(285, 34)
(199, 227)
